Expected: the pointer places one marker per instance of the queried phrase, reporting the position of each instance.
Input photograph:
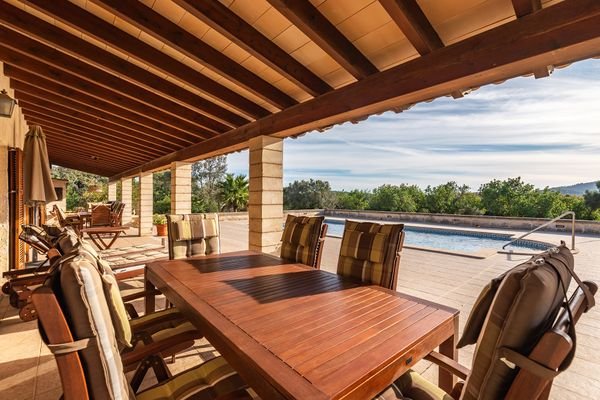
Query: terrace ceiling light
(7, 104)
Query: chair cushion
(412, 386)
(193, 235)
(188, 230)
(300, 239)
(524, 306)
(209, 380)
(369, 252)
(67, 241)
(89, 317)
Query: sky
(546, 131)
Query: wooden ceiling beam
(413, 22)
(234, 28)
(62, 162)
(60, 156)
(161, 28)
(563, 33)
(78, 118)
(144, 149)
(313, 24)
(107, 114)
(80, 19)
(523, 8)
(31, 82)
(41, 30)
(79, 112)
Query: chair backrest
(100, 215)
(193, 235)
(37, 238)
(60, 215)
(301, 240)
(370, 252)
(511, 318)
(116, 214)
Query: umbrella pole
(34, 254)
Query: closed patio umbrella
(38, 188)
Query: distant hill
(578, 188)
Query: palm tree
(233, 192)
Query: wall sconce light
(7, 104)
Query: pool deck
(28, 370)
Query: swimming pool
(461, 241)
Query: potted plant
(160, 221)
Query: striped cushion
(209, 380)
(412, 386)
(369, 252)
(300, 239)
(193, 235)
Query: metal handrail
(571, 213)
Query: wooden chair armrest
(140, 294)
(448, 364)
(137, 355)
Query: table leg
(115, 237)
(149, 301)
(98, 244)
(447, 380)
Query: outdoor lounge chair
(302, 240)
(193, 235)
(65, 220)
(370, 253)
(84, 326)
(524, 332)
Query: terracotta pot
(161, 230)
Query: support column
(146, 203)
(126, 198)
(112, 190)
(265, 206)
(181, 187)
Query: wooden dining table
(295, 332)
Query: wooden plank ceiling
(123, 86)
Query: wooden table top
(296, 332)
(105, 229)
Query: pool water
(452, 240)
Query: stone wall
(524, 224)
(12, 133)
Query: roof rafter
(166, 31)
(230, 25)
(523, 8)
(73, 45)
(78, 18)
(563, 33)
(309, 20)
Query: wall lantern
(7, 104)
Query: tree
(511, 197)
(450, 198)
(161, 182)
(82, 188)
(592, 198)
(233, 192)
(206, 175)
(310, 194)
(353, 200)
(397, 198)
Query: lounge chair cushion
(209, 380)
(36, 237)
(300, 239)
(369, 252)
(67, 241)
(83, 297)
(193, 235)
(525, 305)
(412, 386)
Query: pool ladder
(561, 216)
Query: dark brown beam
(227, 23)
(168, 32)
(43, 31)
(74, 117)
(36, 57)
(416, 27)
(94, 119)
(523, 8)
(563, 33)
(145, 150)
(37, 92)
(85, 151)
(78, 18)
(309, 20)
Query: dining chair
(67, 221)
(302, 240)
(116, 213)
(523, 325)
(101, 215)
(193, 235)
(79, 322)
(370, 253)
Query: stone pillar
(146, 203)
(181, 187)
(265, 206)
(126, 198)
(112, 190)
